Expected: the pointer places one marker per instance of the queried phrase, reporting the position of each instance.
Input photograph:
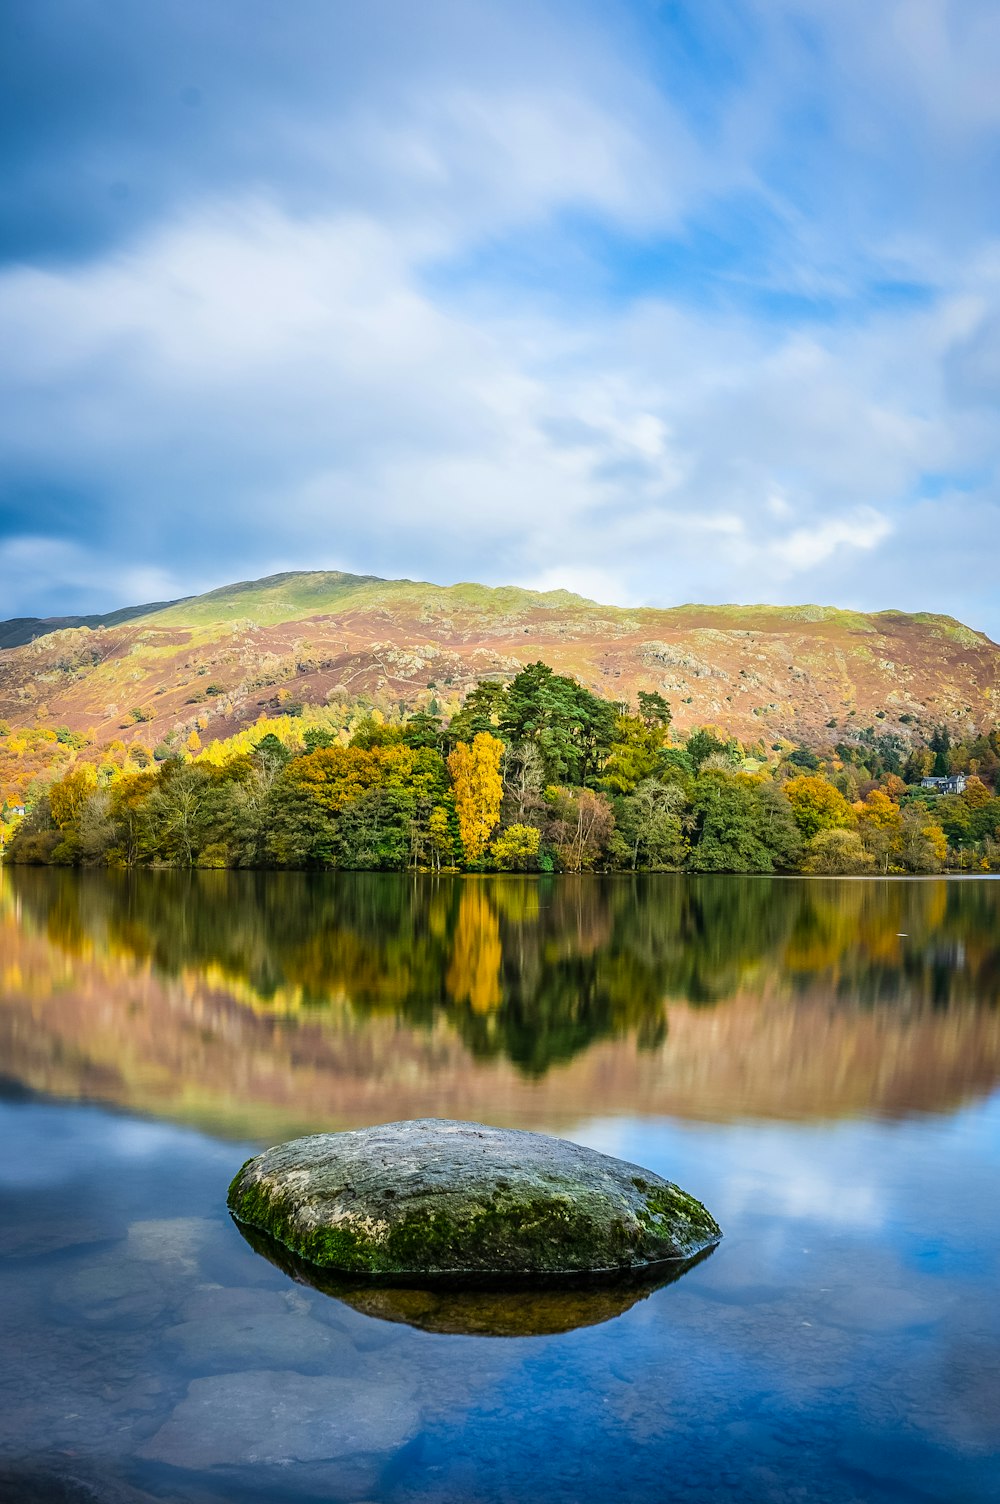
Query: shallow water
(818, 1061)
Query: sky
(658, 301)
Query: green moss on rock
(436, 1198)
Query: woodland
(535, 774)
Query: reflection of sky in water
(842, 1344)
(826, 1084)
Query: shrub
(837, 853)
(516, 849)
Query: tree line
(536, 774)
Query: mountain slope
(238, 652)
(21, 629)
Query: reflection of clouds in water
(792, 1186)
(792, 1173)
(44, 1146)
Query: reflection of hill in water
(265, 1003)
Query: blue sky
(661, 301)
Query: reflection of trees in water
(533, 970)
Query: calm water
(818, 1061)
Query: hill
(808, 673)
(21, 629)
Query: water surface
(818, 1061)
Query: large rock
(434, 1200)
(456, 1307)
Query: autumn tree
(634, 755)
(475, 774)
(516, 848)
(923, 845)
(582, 823)
(880, 827)
(440, 846)
(836, 852)
(69, 795)
(817, 805)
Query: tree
(371, 731)
(439, 841)
(175, 811)
(923, 845)
(271, 753)
(703, 744)
(649, 825)
(727, 825)
(581, 825)
(516, 848)
(422, 730)
(633, 755)
(128, 813)
(480, 712)
(654, 709)
(475, 773)
(316, 738)
(817, 805)
(880, 827)
(940, 745)
(778, 830)
(69, 795)
(299, 832)
(523, 782)
(836, 852)
(572, 728)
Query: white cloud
(393, 370)
(805, 547)
(260, 377)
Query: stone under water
(434, 1200)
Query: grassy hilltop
(223, 659)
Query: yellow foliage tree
(516, 848)
(880, 826)
(68, 797)
(475, 775)
(817, 806)
(194, 742)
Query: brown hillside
(759, 671)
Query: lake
(817, 1060)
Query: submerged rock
(540, 1309)
(267, 1417)
(224, 1343)
(433, 1199)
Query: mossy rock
(437, 1200)
(532, 1306)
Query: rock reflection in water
(474, 1310)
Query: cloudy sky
(659, 300)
